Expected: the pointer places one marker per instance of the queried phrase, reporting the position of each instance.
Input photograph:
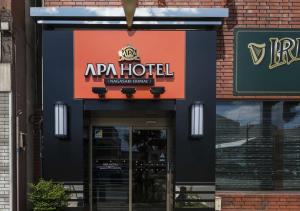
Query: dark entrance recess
(116, 150)
(64, 160)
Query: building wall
(243, 14)
(5, 165)
(240, 201)
(19, 50)
(5, 111)
(5, 177)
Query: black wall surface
(195, 159)
(62, 159)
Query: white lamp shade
(61, 120)
(197, 119)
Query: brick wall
(250, 14)
(4, 153)
(258, 201)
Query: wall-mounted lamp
(157, 91)
(101, 91)
(196, 122)
(61, 120)
(128, 91)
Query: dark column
(195, 159)
(62, 159)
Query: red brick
(259, 201)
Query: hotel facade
(160, 105)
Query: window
(258, 145)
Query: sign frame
(237, 91)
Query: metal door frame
(135, 123)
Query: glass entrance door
(110, 168)
(149, 169)
(130, 168)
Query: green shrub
(46, 195)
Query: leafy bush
(46, 195)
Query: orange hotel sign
(139, 59)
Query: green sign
(267, 62)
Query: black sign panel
(129, 82)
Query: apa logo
(128, 53)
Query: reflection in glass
(291, 146)
(149, 153)
(110, 168)
(111, 148)
(194, 196)
(239, 146)
(257, 145)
